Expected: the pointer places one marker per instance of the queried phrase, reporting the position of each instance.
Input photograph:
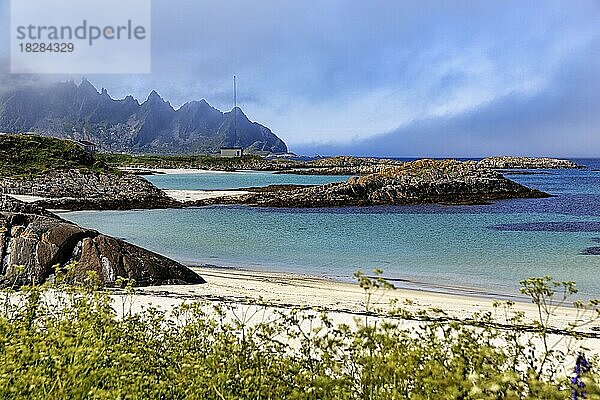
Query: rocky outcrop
(418, 182)
(527, 163)
(76, 190)
(9, 204)
(352, 170)
(343, 165)
(349, 161)
(33, 244)
(253, 163)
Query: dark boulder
(33, 244)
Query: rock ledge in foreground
(39, 242)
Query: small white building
(88, 146)
(232, 152)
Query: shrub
(62, 342)
(28, 156)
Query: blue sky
(389, 78)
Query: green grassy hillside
(156, 161)
(199, 161)
(25, 156)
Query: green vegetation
(427, 167)
(27, 156)
(200, 162)
(69, 343)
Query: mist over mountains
(68, 110)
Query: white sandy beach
(25, 198)
(344, 301)
(179, 195)
(195, 195)
(187, 171)
(168, 171)
(184, 171)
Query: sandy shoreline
(195, 195)
(26, 198)
(287, 290)
(185, 171)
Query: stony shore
(77, 190)
(350, 161)
(141, 165)
(343, 165)
(374, 182)
(527, 163)
(418, 182)
(340, 165)
(348, 170)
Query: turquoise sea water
(489, 247)
(237, 180)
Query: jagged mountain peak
(87, 86)
(154, 97)
(129, 99)
(237, 109)
(68, 110)
(238, 114)
(156, 103)
(197, 105)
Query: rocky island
(345, 165)
(527, 163)
(34, 243)
(342, 165)
(417, 182)
(148, 163)
(339, 165)
(64, 176)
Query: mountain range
(80, 112)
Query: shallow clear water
(236, 180)
(489, 247)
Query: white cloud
(343, 70)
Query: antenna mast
(235, 107)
